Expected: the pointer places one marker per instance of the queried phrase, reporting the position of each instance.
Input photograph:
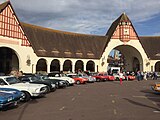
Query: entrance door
(8, 60)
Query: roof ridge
(4, 5)
(57, 31)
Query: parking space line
(62, 108)
(156, 111)
(113, 101)
(154, 103)
(115, 112)
(73, 98)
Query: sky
(89, 16)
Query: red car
(108, 77)
(98, 77)
(78, 80)
(130, 77)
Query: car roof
(6, 76)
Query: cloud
(83, 16)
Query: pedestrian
(120, 77)
(138, 76)
(145, 76)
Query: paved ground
(98, 101)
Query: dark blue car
(9, 97)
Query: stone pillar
(48, 66)
(84, 66)
(61, 66)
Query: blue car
(9, 96)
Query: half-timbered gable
(10, 25)
(122, 29)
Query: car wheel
(78, 82)
(26, 96)
(48, 89)
(117, 78)
(98, 80)
(67, 83)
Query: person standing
(120, 77)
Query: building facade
(31, 48)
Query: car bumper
(12, 103)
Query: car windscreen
(34, 78)
(12, 80)
(45, 77)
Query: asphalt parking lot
(133, 100)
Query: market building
(30, 48)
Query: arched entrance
(67, 66)
(157, 66)
(136, 64)
(55, 66)
(41, 65)
(79, 65)
(90, 66)
(126, 57)
(8, 60)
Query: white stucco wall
(23, 53)
(134, 43)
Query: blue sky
(89, 16)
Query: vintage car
(58, 82)
(130, 77)
(117, 77)
(9, 96)
(90, 78)
(108, 77)
(37, 80)
(61, 76)
(29, 89)
(98, 77)
(18, 95)
(78, 80)
(156, 87)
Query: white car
(117, 77)
(56, 75)
(90, 78)
(29, 89)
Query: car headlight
(37, 90)
(53, 85)
(10, 99)
(61, 82)
(43, 89)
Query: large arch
(132, 58)
(55, 65)
(67, 66)
(79, 65)
(90, 66)
(41, 65)
(157, 66)
(8, 60)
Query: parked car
(117, 77)
(90, 78)
(130, 77)
(34, 79)
(29, 89)
(61, 76)
(156, 88)
(58, 82)
(108, 77)
(18, 95)
(9, 97)
(78, 80)
(98, 77)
